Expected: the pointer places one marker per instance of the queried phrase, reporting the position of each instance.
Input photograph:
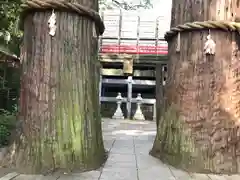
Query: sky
(160, 7)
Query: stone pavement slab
(217, 177)
(232, 177)
(108, 144)
(122, 150)
(4, 171)
(121, 161)
(195, 176)
(119, 174)
(146, 161)
(35, 177)
(180, 175)
(155, 173)
(9, 176)
(128, 143)
(90, 175)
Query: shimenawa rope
(62, 5)
(223, 25)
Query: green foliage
(9, 77)
(9, 92)
(7, 124)
(9, 87)
(10, 12)
(9, 18)
(8, 114)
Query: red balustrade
(133, 49)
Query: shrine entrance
(132, 53)
(129, 97)
(128, 92)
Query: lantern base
(139, 115)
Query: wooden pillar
(129, 97)
(100, 89)
(100, 42)
(119, 30)
(159, 92)
(200, 128)
(154, 111)
(128, 71)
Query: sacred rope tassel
(52, 24)
(178, 42)
(210, 46)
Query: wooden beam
(140, 66)
(136, 72)
(112, 99)
(125, 81)
(140, 39)
(148, 59)
(8, 55)
(134, 100)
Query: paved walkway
(129, 143)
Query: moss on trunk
(205, 92)
(59, 105)
(174, 144)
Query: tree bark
(59, 102)
(200, 130)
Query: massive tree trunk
(200, 129)
(59, 94)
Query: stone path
(129, 143)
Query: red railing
(133, 49)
